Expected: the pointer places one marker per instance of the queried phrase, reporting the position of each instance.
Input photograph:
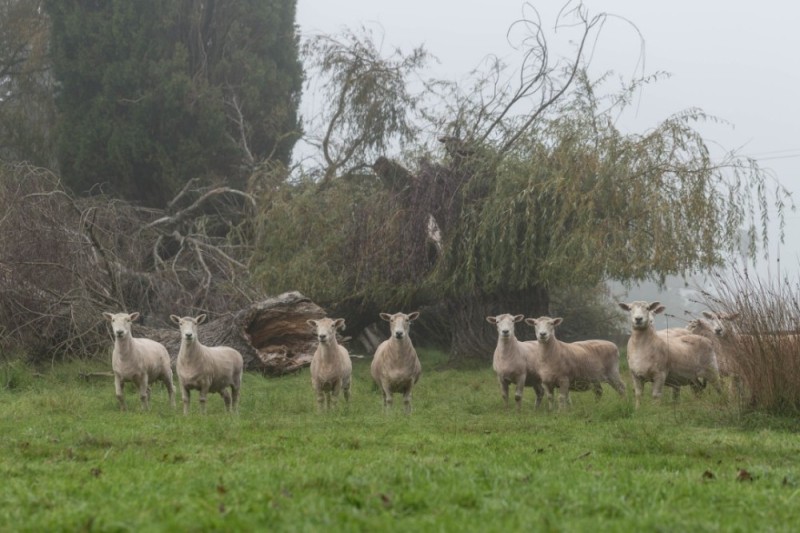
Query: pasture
(72, 461)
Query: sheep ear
(175, 318)
(414, 315)
(108, 315)
(519, 318)
(653, 306)
(200, 318)
(491, 320)
(530, 321)
(133, 316)
(658, 310)
(338, 323)
(386, 316)
(312, 323)
(557, 321)
(708, 314)
(731, 316)
(624, 306)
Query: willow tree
(368, 107)
(533, 189)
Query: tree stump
(272, 335)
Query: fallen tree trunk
(272, 335)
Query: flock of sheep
(695, 356)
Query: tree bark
(272, 335)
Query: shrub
(768, 326)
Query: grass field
(72, 462)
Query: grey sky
(735, 60)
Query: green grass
(72, 462)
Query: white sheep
(206, 368)
(139, 360)
(674, 361)
(727, 344)
(514, 360)
(396, 366)
(331, 369)
(574, 366)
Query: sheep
(574, 365)
(726, 344)
(396, 366)
(673, 361)
(138, 360)
(331, 369)
(514, 360)
(206, 368)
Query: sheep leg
(320, 398)
(407, 400)
(658, 385)
(335, 390)
(548, 390)
(346, 391)
(185, 397)
(715, 382)
(226, 397)
(565, 401)
(170, 389)
(504, 390)
(537, 387)
(676, 394)
(598, 391)
(120, 392)
(518, 392)
(203, 398)
(144, 393)
(387, 396)
(618, 385)
(235, 392)
(638, 387)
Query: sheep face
(325, 328)
(718, 322)
(188, 326)
(698, 326)
(642, 313)
(399, 323)
(505, 324)
(545, 327)
(121, 323)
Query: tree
(533, 190)
(27, 112)
(370, 106)
(152, 94)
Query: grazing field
(461, 462)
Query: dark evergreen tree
(154, 93)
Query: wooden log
(272, 335)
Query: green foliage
(152, 94)
(577, 201)
(370, 105)
(334, 243)
(533, 189)
(72, 461)
(27, 110)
